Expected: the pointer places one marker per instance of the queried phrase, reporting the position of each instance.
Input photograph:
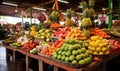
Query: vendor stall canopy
(19, 5)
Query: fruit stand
(82, 48)
(94, 66)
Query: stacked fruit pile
(52, 48)
(116, 45)
(42, 45)
(62, 32)
(44, 34)
(99, 32)
(74, 52)
(76, 34)
(98, 46)
(28, 46)
(16, 44)
(23, 39)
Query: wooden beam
(48, 2)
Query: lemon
(104, 49)
(86, 44)
(101, 45)
(88, 51)
(107, 52)
(95, 44)
(92, 49)
(100, 53)
(89, 47)
(91, 43)
(105, 44)
(98, 41)
(103, 41)
(98, 49)
(100, 38)
(95, 53)
(94, 38)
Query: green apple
(64, 53)
(60, 52)
(63, 58)
(78, 57)
(74, 52)
(68, 53)
(83, 49)
(81, 62)
(59, 57)
(67, 59)
(74, 62)
(79, 51)
(72, 57)
(55, 56)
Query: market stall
(71, 47)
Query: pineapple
(88, 14)
(86, 21)
(68, 21)
(83, 4)
(91, 10)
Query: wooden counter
(42, 59)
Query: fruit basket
(69, 64)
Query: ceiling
(26, 4)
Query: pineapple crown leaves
(69, 13)
(91, 3)
(83, 4)
(86, 13)
(54, 16)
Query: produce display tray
(14, 46)
(77, 66)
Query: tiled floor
(5, 65)
(3, 62)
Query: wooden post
(40, 65)
(30, 15)
(56, 68)
(14, 56)
(110, 15)
(27, 63)
(105, 66)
